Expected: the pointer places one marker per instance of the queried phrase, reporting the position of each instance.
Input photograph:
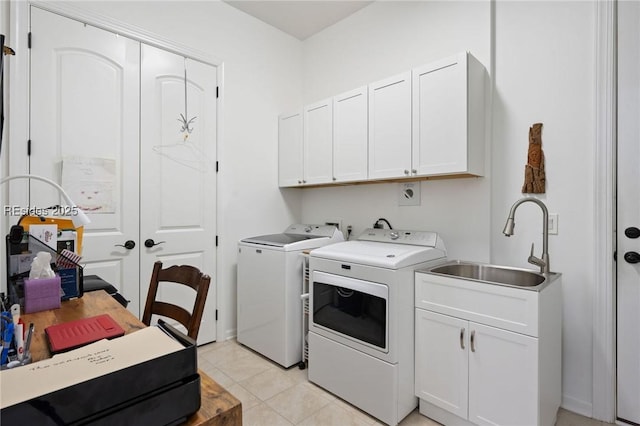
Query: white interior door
(84, 103)
(628, 272)
(177, 173)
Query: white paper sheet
(91, 183)
(97, 359)
(47, 234)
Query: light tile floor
(273, 396)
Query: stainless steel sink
(494, 274)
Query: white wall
(545, 68)
(544, 72)
(378, 41)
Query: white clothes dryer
(361, 328)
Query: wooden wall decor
(534, 175)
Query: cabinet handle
(406, 172)
(462, 330)
(414, 171)
(473, 341)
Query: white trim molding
(72, 11)
(604, 325)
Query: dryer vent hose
(379, 225)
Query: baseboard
(577, 406)
(230, 334)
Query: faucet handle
(535, 260)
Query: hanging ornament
(186, 122)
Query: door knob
(150, 243)
(632, 232)
(632, 257)
(129, 245)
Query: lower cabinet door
(442, 361)
(503, 377)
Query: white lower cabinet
(473, 373)
(442, 361)
(503, 377)
(475, 369)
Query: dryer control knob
(394, 235)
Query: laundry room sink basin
(494, 274)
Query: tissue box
(41, 294)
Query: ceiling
(299, 18)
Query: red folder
(73, 334)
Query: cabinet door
(350, 135)
(318, 143)
(290, 149)
(503, 377)
(440, 117)
(390, 127)
(442, 361)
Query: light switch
(553, 223)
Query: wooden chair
(186, 275)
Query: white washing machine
(361, 328)
(269, 289)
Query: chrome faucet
(508, 231)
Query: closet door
(177, 172)
(84, 110)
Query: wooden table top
(218, 406)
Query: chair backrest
(186, 275)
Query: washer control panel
(397, 236)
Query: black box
(162, 391)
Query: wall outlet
(409, 194)
(553, 224)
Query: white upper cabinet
(290, 158)
(423, 123)
(448, 117)
(350, 135)
(318, 143)
(390, 127)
